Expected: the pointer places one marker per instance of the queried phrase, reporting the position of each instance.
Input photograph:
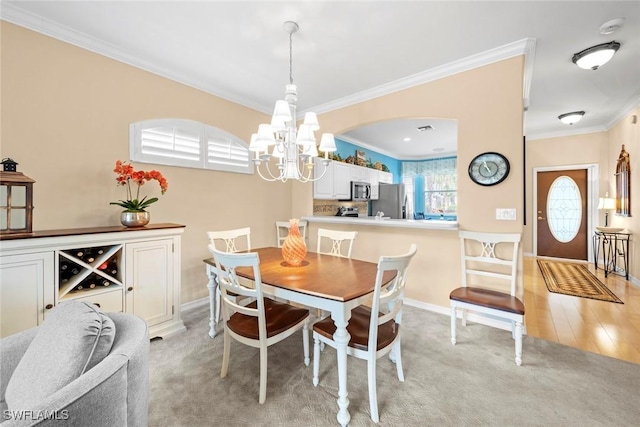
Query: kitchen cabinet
(135, 270)
(375, 178)
(335, 183)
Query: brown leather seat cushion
(279, 317)
(359, 329)
(488, 298)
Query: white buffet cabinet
(335, 184)
(133, 270)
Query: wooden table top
(340, 279)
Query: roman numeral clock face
(489, 169)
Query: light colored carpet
(474, 383)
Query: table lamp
(605, 203)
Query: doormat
(574, 279)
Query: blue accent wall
(346, 149)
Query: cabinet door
(323, 188)
(386, 177)
(374, 175)
(341, 180)
(149, 280)
(26, 288)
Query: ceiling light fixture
(295, 150)
(596, 56)
(571, 118)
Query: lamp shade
(265, 135)
(305, 135)
(312, 120)
(606, 203)
(282, 111)
(327, 143)
(594, 57)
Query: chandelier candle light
(294, 149)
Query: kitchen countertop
(370, 220)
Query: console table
(615, 252)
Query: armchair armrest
(11, 350)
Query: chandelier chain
(291, 58)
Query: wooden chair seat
(358, 328)
(488, 298)
(278, 316)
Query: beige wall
(65, 118)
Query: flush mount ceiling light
(293, 149)
(594, 57)
(571, 118)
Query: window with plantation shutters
(187, 143)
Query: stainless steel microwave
(360, 191)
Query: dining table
(330, 283)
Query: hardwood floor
(597, 326)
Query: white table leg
(341, 338)
(212, 285)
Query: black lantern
(16, 200)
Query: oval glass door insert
(564, 209)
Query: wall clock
(489, 168)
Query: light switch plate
(506, 214)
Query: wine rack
(89, 270)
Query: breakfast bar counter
(432, 224)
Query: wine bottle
(88, 256)
(74, 270)
(79, 287)
(79, 253)
(112, 268)
(103, 266)
(99, 251)
(105, 282)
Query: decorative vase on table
(294, 249)
(135, 219)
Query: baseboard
(472, 317)
(191, 305)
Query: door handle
(540, 218)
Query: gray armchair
(114, 392)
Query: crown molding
(565, 133)
(521, 47)
(628, 109)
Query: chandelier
(294, 149)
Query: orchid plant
(127, 177)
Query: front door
(562, 214)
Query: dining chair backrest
(336, 239)
(282, 225)
(227, 263)
(482, 258)
(388, 300)
(232, 239)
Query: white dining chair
(281, 234)
(228, 241)
(341, 242)
(372, 336)
(490, 261)
(260, 324)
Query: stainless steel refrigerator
(391, 200)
